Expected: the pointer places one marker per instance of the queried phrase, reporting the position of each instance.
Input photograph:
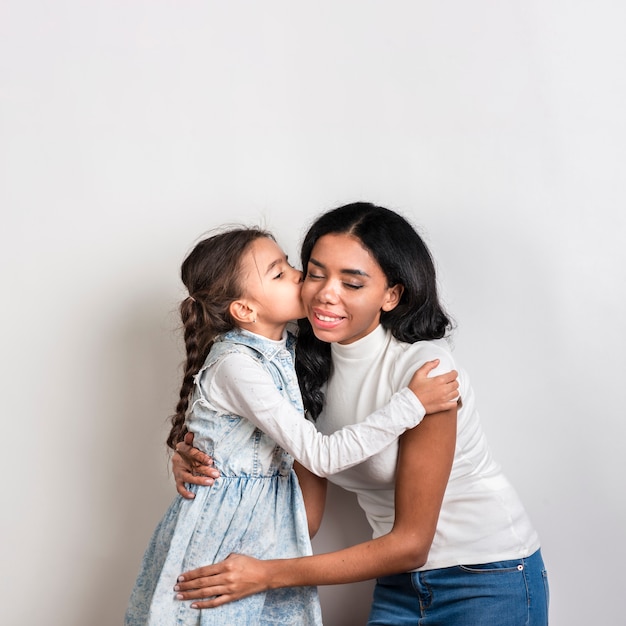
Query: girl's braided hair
(212, 274)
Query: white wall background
(130, 127)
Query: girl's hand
(438, 393)
(190, 465)
(234, 578)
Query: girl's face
(272, 288)
(345, 290)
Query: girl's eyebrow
(351, 272)
(273, 264)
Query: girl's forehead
(262, 253)
(264, 246)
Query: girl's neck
(273, 332)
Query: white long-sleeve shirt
(238, 385)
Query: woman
(451, 543)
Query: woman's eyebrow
(351, 272)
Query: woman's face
(345, 290)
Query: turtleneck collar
(366, 347)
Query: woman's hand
(190, 465)
(438, 393)
(234, 578)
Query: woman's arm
(314, 491)
(424, 464)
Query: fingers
(447, 377)
(195, 461)
(238, 576)
(193, 456)
(185, 474)
(206, 597)
(205, 576)
(452, 394)
(208, 592)
(428, 367)
(201, 587)
(194, 586)
(451, 382)
(182, 476)
(214, 602)
(437, 393)
(184, 492)
(197, 577)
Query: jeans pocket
(498, 567)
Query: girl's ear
(241, 312)
(392, 298)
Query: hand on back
(192, 466)
(436, 393)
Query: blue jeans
(506, 593)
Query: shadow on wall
(139, 362)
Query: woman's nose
(326, 293)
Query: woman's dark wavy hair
(404, 259)
(212, 274)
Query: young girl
(452, 544)
(240, 398)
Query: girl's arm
(424, 464)
(239, 386)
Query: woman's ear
(392, 298)
(242, 313)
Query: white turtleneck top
(482, 518)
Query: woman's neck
(365, 347)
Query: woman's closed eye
(311, 276)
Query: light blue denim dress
(254, 508)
